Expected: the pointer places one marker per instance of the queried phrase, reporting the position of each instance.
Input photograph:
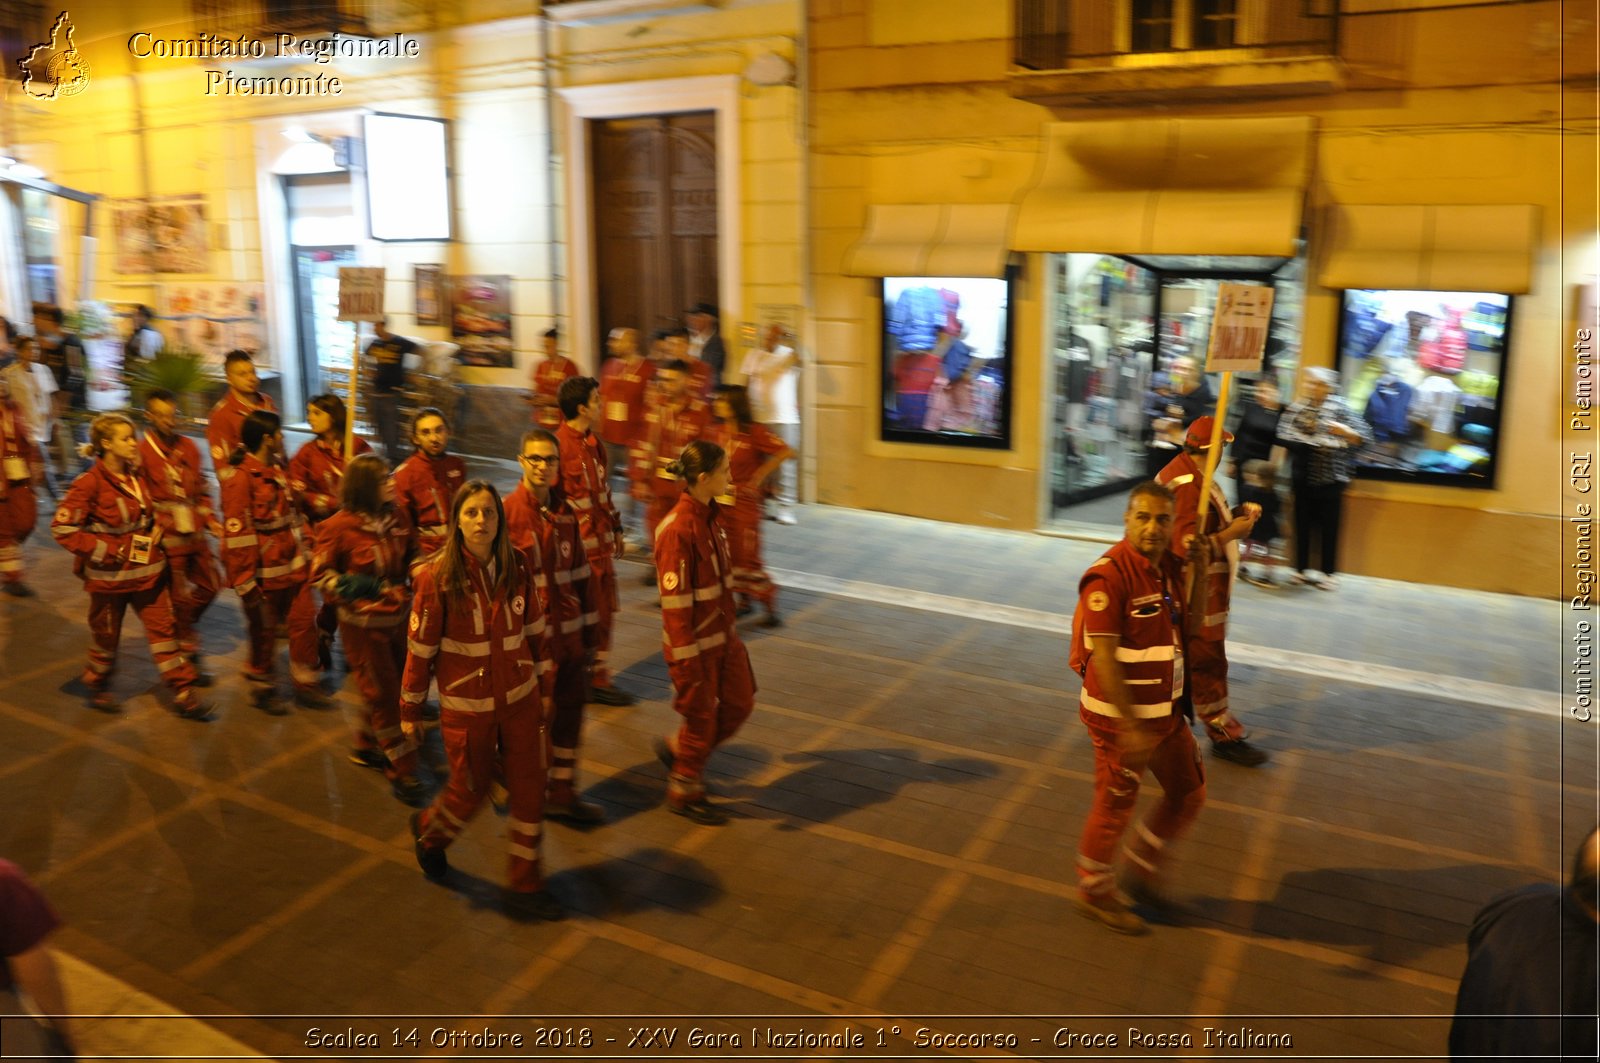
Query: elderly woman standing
(1324, 436)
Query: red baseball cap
(1199, 433)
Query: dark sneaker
(433, 862)
(772, 619)
(1238, 752)
(699, 811)
(202, 678)
(664, 753)
(189, 705)
(1147, 893)
(104, 701)
(610, 696)
(541, 904)
(1111, 912)
(269, 702)
(578, 812)
(310, 697)
(19, 590)
(408, 790)
(369, 758)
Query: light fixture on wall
(769, 68)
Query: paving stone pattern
(908, 796)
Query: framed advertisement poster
(480, 319)
(429, 300)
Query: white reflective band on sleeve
(240, 540)
(582, 571)
(248, 587)
(412, 697)
(513, 642)
(99, 554)
(581, 503)
(275, 571)
(591, 618)
(681, 653)
(1154, 653)
(713, 641)
(1213, 619)
(677, 601)
(706, 594)
(418, 649)
(1143, 712)
(1179, 481)
(522, 850)
(464, 649)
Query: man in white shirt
(772, 374)
(144, 342)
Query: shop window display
(1426, 371)
(946, 361)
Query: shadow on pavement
(838, 781)
(643, 880)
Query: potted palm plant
(179, 370)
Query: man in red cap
(1218, 551)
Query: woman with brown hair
(713, 688)
(477, 629)
(360, 562)
(108, 521)
(754, 454)
(315, 473)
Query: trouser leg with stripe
(603, 575)
(1175, 762)
(18, 511)
(1207, 663)
(292, 605)
(195, 583)
(377, 656)
(473, 741)
(713, 710)
(566, 726)
(154, 608)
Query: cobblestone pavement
(908, 797)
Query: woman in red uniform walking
(754, 454)
(476, 628)
(315, 473)
(361, 562)
(108, 521)
(21, 468)
(266, 563)
(713, 688)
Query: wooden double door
(655, 219)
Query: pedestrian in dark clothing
(1257, 434)
(1530, 986)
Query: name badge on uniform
(16, 468)
(616, 411)
(139, 552)
(183, 518)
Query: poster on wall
(212, 318)
(429, 301)
(161, 236)
(480, 319)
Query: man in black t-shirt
(388, 354)
(62, 353)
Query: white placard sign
(360, 293)
(1239, 328)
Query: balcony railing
(1085, 34)
(225, 18)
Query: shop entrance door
(655, 218)
(325, 341)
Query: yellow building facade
(1439, 114)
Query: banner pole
(350, 403)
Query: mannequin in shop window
(1388, 411)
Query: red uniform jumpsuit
(548, 376)
(1208, 658)
(487, 653)
(19, 466)
(424, 487)
(224, 428)
(97, 522)
(170, 469)
(586, 485)
(622, 391)
(1124, 595)
(266, 563)
(550, 534)
(374, 629)
(316, 474)
(747, 452)
(667, 430)
(713, 688)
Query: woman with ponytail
(713, 686)
(267, 564)
(315, 473)
(108, 521)
(754, 454)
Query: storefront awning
(1175, 186)
(932, 240)
(1446, 248)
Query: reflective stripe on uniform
(460, 704)
(233, 542)
(677, 601)
(1106, 708)
(122, 575)
(274, 571)
(1154, 653)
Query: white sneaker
(784, 517)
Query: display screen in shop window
(1426, 372)
(947, 361)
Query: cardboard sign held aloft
(1239, 328)
(360, 293)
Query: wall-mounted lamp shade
(408, 177)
